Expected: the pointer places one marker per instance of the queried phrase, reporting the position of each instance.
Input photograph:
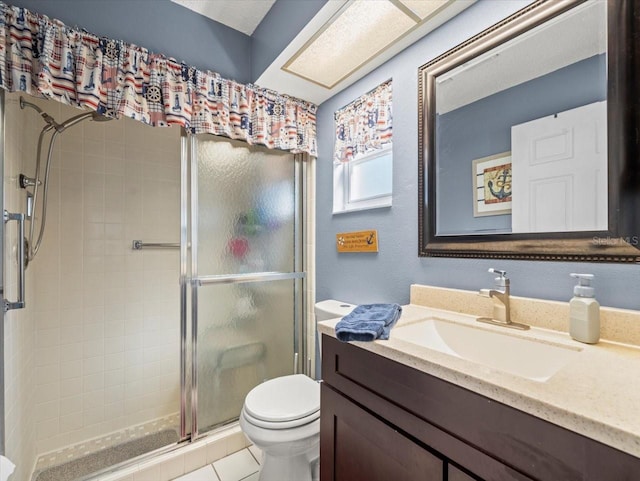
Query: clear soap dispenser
(584, 311)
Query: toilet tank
(330, 309)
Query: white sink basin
(528, 358)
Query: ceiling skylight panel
(359, 32)
(424, 8)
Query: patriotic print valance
(364, 125)
(43, 57)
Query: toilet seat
(283, 403)
(275, 425)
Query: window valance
(364, 125)
(43, 57)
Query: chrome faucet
(501, 303)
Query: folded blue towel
(368, 322)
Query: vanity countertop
(597, 394)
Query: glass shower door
(245, 271)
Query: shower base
(77, 461)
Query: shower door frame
(190, 281)
(2, 143)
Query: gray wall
(486, 127)
(281, 25)
(160, 26)
(386, 276)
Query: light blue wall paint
(160, 26)
(281, 25)
(387, 275)
(486, 130)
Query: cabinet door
(357, 446)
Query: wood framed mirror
(528, 143)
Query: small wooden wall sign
(361, 241)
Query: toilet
(282, 417)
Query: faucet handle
(502, 280)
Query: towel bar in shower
(136, 245)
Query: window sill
(382, 205)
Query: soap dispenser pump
(584, 311)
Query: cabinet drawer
(523, 444)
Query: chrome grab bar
(19, 304)
(241, 278)
(137, 245)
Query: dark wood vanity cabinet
(384, 421)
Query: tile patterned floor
(241, 466)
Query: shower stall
(151, 278)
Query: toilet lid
(284, 399)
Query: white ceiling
(241, 15)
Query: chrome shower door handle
(19, 304)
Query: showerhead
(95, 116)
(35, 182)
(51, 123)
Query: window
(362, 157)
(363, 183)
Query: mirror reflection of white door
(560, 171)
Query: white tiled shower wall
(106, 318)
(19, 327)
